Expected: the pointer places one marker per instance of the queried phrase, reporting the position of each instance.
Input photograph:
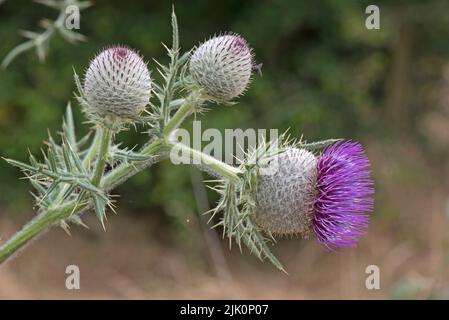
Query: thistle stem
(37, 225)
(93, 149)
(159, 148)
(126, 170)
(222, 169)
(105, 141)
(183, 112)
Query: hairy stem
(47, 218)
(157, 150)
(93, 149)
(37, 225)
(183, 112)
(197, 157)
(105, 141)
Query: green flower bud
(222, 67)
(117, 87)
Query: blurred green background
(324, 75)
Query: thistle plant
(40, 41)
(280, 187)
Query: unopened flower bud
(222, 67)
(117, 87)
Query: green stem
(159, 148)
(47, 218)
(51, 216)
(126, 170)
(183, 112)
(93, 149)
(197, 157)
(38, 224)
(105, 141)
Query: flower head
(344, 195)
(330, 195)
(222, 67)
(286, 191)
(117, 86)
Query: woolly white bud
(222, 67)
(117, 86)
(285, 197)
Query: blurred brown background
(324, 75)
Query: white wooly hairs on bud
(118, 84)
(285, 194)
(222, 67)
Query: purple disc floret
(345, 195)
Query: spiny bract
(117, 86)
(285, 193)
(222, 67)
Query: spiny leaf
(71, 36)
(29, 34)
(78, 85)
(36, 185)
(21, 165)
(174, 23)
(83, 140)
(67, 193)
(67, 161)
(69, 125)
(50, 189)
(100, 209)
(52, 158)
(86, 185)
(237, 220)
(33, 160)
(71, 154)
(40, 41)
(17, 51)
(185, 57)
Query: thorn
(102, 224)
(65, 227)
(76, 219)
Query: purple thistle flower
(344, 197)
